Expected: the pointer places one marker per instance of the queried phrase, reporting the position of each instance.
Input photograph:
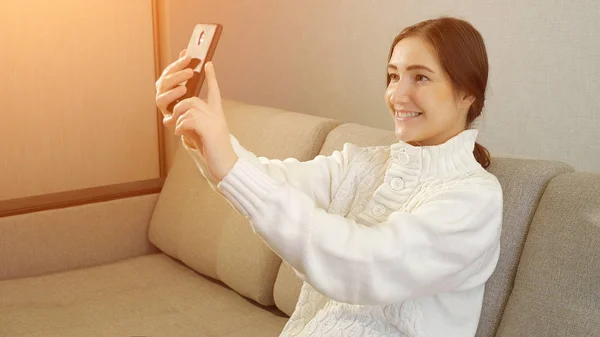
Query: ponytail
(482, 155)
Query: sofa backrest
(523, 182)
(81, 236)
(557, 286)
(194, 224)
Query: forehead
(414, 50)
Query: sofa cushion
(196, 225)
(557, 287)
(287, 285)
(523, 182)
(151, 295)
(287, 289)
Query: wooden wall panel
(77, 94)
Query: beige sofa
(183, 263)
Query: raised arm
(205, 134)
(316, 178)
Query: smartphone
(201, 49)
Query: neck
(438, 139)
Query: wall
(328, 58)
(77, 93)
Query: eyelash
(418, 77)
(422, 77)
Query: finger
(163, 100)
(185, 115)
(189, 114)
(170, 120)
(187, 104)
(179, 64)
(172, 80)
(178, 130)
(185, 126)
(214, 94)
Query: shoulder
(483, 180)
(477, 188)
(481, 191)
(481, 184)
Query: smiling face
(425, 107)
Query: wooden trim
(157, 72)
(79, 197)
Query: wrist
(220, 155)
(227, 159)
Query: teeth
(407, 114)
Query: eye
(421, 78)
(393, 77)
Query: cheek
(443, 94)
(435, 99)
(388, 94)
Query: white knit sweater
(390, 241)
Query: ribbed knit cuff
(247, 187)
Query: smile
(406, 115)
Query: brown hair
(461, 51)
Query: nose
(401, 91)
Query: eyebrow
(412, 67)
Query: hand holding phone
(201, 48)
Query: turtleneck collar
(453, 157)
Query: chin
(407, 137)
(411, 131)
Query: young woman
(389, 240)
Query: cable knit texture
(390, 241)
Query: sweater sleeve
(449, 243)
(316, 178)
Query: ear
(466, 100)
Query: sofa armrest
(76, 229)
